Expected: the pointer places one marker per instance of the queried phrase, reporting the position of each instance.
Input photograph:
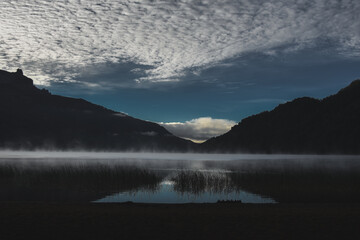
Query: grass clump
(56, 182)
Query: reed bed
(50, 181)
(284, 184)
(198, 182)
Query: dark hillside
(32, 118)
(304, 125)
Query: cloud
(199, 129)
(62, 40)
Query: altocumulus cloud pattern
(60, 40)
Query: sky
(196, 67)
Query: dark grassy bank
(190, 221)
(71, 182)
(52, 201)
(283, 182)
(301, 183)
(313, 186)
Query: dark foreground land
(189, 221)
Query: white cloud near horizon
(61, 40)
(199, 129)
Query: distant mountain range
(31, 118)
(304, 125)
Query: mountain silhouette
(304, 125)
(35, 119)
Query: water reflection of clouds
(156, 177)
(167, 194)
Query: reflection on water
(167, 193)
(178, 178)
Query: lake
(177, 178)
(165, 193)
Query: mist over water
(168, 156)
(145, 177)
(111, 157)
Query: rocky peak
(15, 81)
(19, 72)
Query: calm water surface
(150, 177)
(166, 194)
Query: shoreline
(54, 220)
